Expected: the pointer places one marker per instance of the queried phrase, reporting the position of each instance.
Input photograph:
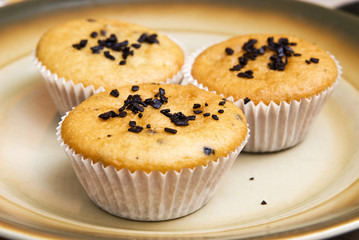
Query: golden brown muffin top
(154, 127)
(108, 53)
(259, 68)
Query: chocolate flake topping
(115, 93)
(263, 203)
(113, 44)
(282, 51)
(208, 151)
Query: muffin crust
(66, 51)
(188, 143)
(301, 77)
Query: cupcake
(280, 82)
(86, 56)
(152, 152)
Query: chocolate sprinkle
(246, 100)
(115, 93)
(135, 129)
(314, 60)
(220, 111)
(197, 111)
(108, 115)
(221, 103)
(80, 45)
(132, 123)
(148, 126)
(263, 203)
(108, 55)
(206, 114)
(135, 88)
(123, 62)
(140, 115)
(94, 34)
(196, 105)
(229, 51)
(122, 114)
(171, 130)
(208, 151)
(215, 117)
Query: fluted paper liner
(153, 196)
(66, 95)
(273, 127)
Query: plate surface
(311, 190)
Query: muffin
(280, 82)
(86, 56)
(152, 151)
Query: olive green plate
(311, 190)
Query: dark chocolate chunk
(109, 135)
(148, 126)
(197, 111)
(208, 151)
(115, 93)
(251, 178)
(206, 114)
(263, 203)
(122, 62)
(140, 115)
(171, 130)
(221, 111)
(307, 61)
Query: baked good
(166, 142)
(279, 81)
(104, 54)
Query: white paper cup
(153, 196)
(273, 127)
